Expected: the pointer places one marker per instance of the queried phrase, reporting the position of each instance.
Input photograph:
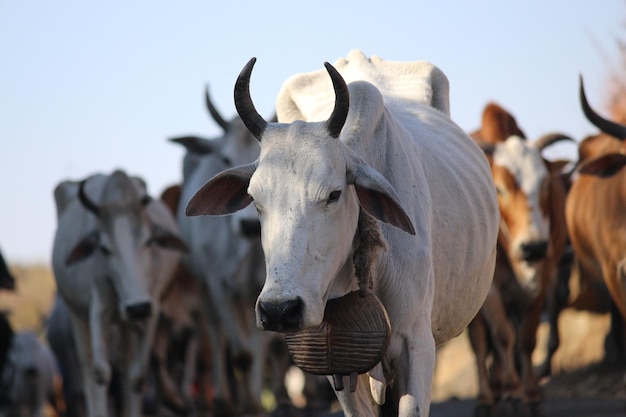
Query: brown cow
(596, 205)
(531, 241)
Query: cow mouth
(351, 339)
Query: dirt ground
(576, 369)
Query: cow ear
(378, 198)
(85, 248)
(604, 166)
(167, 240)
(225, 193)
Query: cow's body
(411, 167)
(114, 251)
(596, 205)
(28, 378)
(531, 241)
(224, 255)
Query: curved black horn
(86, 201)
(342, 102)
(251, 118)
(607, 126)
(213, 111)
(549, 139)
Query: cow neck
(369, 244)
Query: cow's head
(206, 157)
(308, 188)
(523, 185)
(611, 158)
(125, 239)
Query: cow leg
(415, 386)
(477, 332)
(139, 344)
(505, 381)
(527, 339)
(167, 387)
(359, 402)
(558, 294)
(95, 393)
(222, 398)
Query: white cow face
(126, 242)
(522, 183)
(307, 187)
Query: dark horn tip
(342, 102)
(251, 118)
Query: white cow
(387, 146)
(28, 378)
(223, 255)
(114, 251)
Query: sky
(90, 86)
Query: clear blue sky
(92, 86)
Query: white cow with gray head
(223, 256)
(383, 143)
(114, 251)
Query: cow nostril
(534, 251)
(139, 311)
(281, 317)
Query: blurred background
(88, 87)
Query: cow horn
(86, 201)
(547, 140)
(213, 110)
(251, 118)
(607, 126)
(342, 102)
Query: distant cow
(380, 147)
(7, 281)
(114, 252)
(29, 378)
(224, 256)
(531, 242)
(596, 205)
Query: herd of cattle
(180, 304)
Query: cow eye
(105, 251)
(227, 160)
(333, 197)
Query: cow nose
(534, 251)
(281, 317)
(139, 311)
(250, 227)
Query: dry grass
(32, 301)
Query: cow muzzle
(534, 251)
(284, 316)
(139, 311)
